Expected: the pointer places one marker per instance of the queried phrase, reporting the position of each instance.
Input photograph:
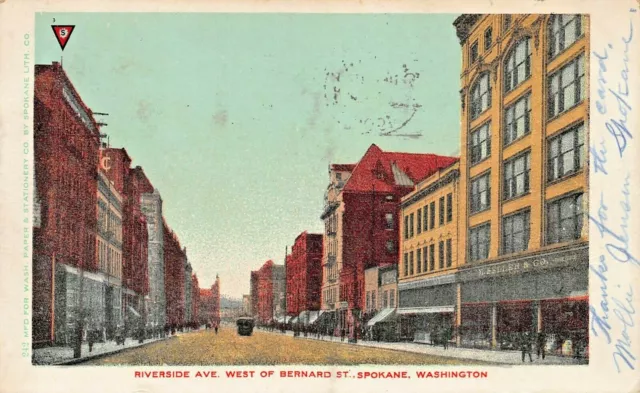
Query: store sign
(524, 265)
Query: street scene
(339, 199)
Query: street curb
(100, 355)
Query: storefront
(546, 293)
(426, 308)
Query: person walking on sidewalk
(541, 342)
(525, 345)
(446, 336)
(215, 327)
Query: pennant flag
(63, 33)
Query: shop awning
(313, 316)
(383, 315)
(133, 311)
(425, 310)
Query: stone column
(494, 321)
(458, 321)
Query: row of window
(387, 299)
(563, 30)
(426, 216)
(565, 156)
(564, 220)
(109, 259)
(425, 258)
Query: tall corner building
(523, 180)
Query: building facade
(270, 283)
(151, 207)
(174, 279)
(65, 264)
(381, 301)
(188, 276)
(304, 274)
(361, 223)
(109, 247)
(524, 179)
(428, 256)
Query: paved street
(228, 348)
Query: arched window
(517, 67)
(564, 30)
(480, 96)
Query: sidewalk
(64, 355)
(502, 357)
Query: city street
(228, 348)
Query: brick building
(253, 294)
(174, 278)
(270, 282)
(195, 301)
(67, 139)
(304, 274)
(361, 228)
(132, 183)
(209, 304)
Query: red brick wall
(304, 274)
(265, 292)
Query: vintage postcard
(322, 197)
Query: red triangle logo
(63, 33)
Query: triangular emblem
(62, 33)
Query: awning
(425, 310)
(314, 315)
(383, 315)
(133, 311)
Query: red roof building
(304, 274)
(361, 220)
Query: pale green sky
(235, 117)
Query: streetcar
(245, 326)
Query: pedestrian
(525, 345)
(343, 332)
(445, 338)
(541, 343)
(215, 327)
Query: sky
(235, 118)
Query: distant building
(151, 207)
(304, 274)
(254, 294)
(246, 305)
(270, 280)
(174, 278)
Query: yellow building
(428, 256)
(523, 179)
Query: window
(516, 175)
(432, 217)
(425, 217)
(480, 193)
(406, 264)
(385, 302)
(488, 38)
(566, 87)
(338, 176)
(389, 220)
(517, 67)
(406, 227)
(368, 300)
(515, 233)
(418, 261)
(392, 298)
(441, 255)
(441, 212)
(480, 143)
(474, 52)
(374, 294)
(449, 207)
(506, 22)
(390, 246)
(564, 30)
(432, 257)
(424, 259)
(449, 255)
(411, 225)
(419, 221)
(480, 96)
(566, 153)
(411, 263)
(517, 119)
(564, 219)
(479, 239)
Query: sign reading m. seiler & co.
(526, 264)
